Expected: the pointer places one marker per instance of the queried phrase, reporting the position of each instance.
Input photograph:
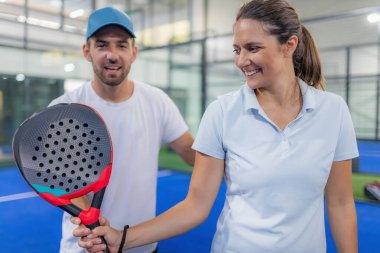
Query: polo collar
(308, 95)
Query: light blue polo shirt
(275, 179)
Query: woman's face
(259, 55)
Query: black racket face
(62, 149)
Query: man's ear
(134, 54)
(291, 45)
(86, 51)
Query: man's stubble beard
(115, 81)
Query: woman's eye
(236, 51)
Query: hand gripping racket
(65, 152)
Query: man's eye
(254, 49)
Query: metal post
(203, 71)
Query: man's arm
(182, 146)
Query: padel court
(28, 224)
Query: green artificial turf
(170, 160)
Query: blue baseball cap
(108, 16)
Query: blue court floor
(30, 225)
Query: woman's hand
(90, 239)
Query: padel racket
(65, 152)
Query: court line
(26, 195)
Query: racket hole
(60, 183)
(54, 177)
(52, 126)
(51, 161)
(84, 135)
(79, 178)
(63, 149)
(97, 139)
(76, 127)
(92, 157)
(51, 186)
(65, 140)
(95, 172)
(80, 144)
(87, 175)
(57, 168)
(53, 152)
(101, 154)
(68, 130)
(49, 136)
(89, 142)
(81, 169)
(84, 184)
(63, 174)
(89, 166)
(47, 145)
(56, 142)
(70, 181)
(86, 151)
(76, 187)
(48, 171)
(44, 155)
(39, 138)
(68, 156)
(85, 125)
(39, 174)
(77, 153)
(92, 132)
(67, 190)
(75, 163)
(66, 165)
(84, 160)
(34, 158)
(60, 159)
(60, 123)
(36, 148)
(45, 180)
(72, 172)
(95, 148)
(98, 163)
(71, 146)
(41, 165)
(58, 133)
(71, 121)
(74, 137)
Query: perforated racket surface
(65, 152)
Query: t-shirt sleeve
(346, 147)
(173, 124)
(209, 137)
(62, 99)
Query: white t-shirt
(275, 179)
(138, 128)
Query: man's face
(111, 51)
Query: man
(140, 118)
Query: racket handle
(94, 225)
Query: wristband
(123, 239)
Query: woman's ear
(291, 46)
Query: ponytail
(307, 64)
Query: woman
(280, 142)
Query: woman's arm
(341, 207)
(187, 214)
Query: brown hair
(281, 20)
